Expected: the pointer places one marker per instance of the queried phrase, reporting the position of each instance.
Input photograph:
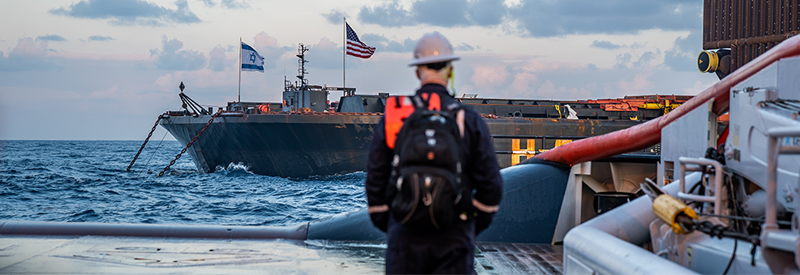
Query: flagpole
(344, 54)
(240, 70)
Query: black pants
(451, 252)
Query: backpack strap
(432, 101)
(398, 108)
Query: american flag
(355, 47)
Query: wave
(234, 169)
(87, 181)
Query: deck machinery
(732, 207)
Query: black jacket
(481, 174)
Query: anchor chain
(143, 144)
(190, 143)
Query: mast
(301, 70)
(344, 54)
(240, 69)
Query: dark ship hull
(311, 144)
(304, 135)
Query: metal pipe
(682, 179)
(771, 222)
(717, 198)
(608, 244)
(649, 133)
(685, 196)
(625, 258)
(296, 232)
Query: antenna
(301, 65)
(286, 83)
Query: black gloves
(380, 220)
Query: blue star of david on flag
(251, 60)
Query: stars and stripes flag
(355, 47)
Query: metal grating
(517, 258)
(748, 27)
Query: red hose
(649, 133)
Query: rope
(143, 144)
(154, 153)
(190, 144)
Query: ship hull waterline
(304, 145)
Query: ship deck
(127, 255)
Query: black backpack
(426, 186)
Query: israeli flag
(251, 60)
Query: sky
(105, 69)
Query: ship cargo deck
(129, 255)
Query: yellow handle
(667, 208)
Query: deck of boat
(127, 255)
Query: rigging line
(154, 153)
(143, 144)
(733, 256)
(761, 220)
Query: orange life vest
(264, 108)
(398, 108)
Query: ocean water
(86, 181)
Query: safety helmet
(433, 47)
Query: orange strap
(398, 108)
(434, 102)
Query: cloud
(100, 38)
(390, 14)
(602, 44)
(130, 12)
(233, 4)
(229, 4)
(540, 18)
(383, 44)
(683, 55)
(327, 55)
(267, 46)
(216, 59)
(50, 37)
(26, 56)
(334, 16)
(523, 76)
(645, 59)
(640, 85)
(622, 61)
(567, 17)
(107, 93)
(209, 3)
(171, 57)
(625, 60)
(463, 47)
(430, 12)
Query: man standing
(413, 250)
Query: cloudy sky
(103, 69)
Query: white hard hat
(433, 47)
